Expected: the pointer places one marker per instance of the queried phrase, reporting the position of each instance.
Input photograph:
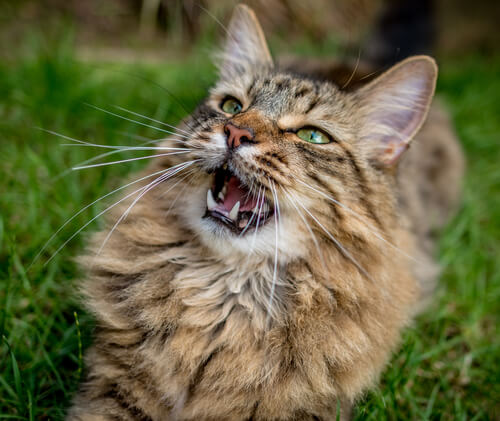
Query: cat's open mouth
(231, 203)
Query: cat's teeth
(234, 212)
(211, 203)
(243, 223)
(265, 208)
(224, 190)
(221, 196)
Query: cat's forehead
(280, 93)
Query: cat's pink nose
(236, 136)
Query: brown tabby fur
(186, 329)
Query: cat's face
(264, 137)
(285, 162)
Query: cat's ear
(245, 47)
(394, 106)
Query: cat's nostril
(236, 135)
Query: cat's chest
(226, 342)
(252, 297)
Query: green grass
(449, 364)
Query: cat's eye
(231, 105)
(313, 135)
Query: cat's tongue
(238, 193)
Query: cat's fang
(234, 212)
(211, 203)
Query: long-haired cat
(264, 267)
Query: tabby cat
(264, 267)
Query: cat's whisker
(308, 226)
(103, 155)
(146, 189)
(275, 268)
(370, 227)
(148, 140)
(253, 214)
(135, 121)
(188, 173)
(128, 160)
(177, 129)
(342, 249)
(172, 204)
(98, 215)
(257, 225)
(116, 149)
(125, 148)
(44, 247)
(99, 145)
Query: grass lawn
(448, 366)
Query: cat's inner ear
(394, 106)
(245, 47)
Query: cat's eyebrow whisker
(354, 71)
(342, 249)
(152, 119)
(293, 201)
(135, 121)
(218, 22)
(275, 269)
(99, 214)
(371, 228)
(145, 189)
(128, 160)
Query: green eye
(231, 105)
(313, 135)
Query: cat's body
(197, 322)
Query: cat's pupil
(312, 135)
(231, 106)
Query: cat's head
(289, 160)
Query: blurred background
(119, 28)
(111, 72)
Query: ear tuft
(245, 46)
(394, 106)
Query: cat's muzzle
(231, 203)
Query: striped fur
(186, 329)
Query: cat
(265, 266)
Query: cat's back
(430, 175)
